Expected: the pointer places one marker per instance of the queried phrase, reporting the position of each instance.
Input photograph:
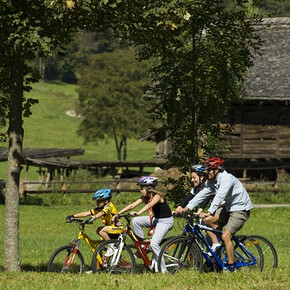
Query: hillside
(50, 126)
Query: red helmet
(213, 163)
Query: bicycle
(68, 258)
(117, 256)
(192, 250)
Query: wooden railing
(127, 185)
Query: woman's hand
(179, 209)
(133, 213)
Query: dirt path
(270, 205)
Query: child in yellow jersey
(106, 210)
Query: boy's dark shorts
(234, 220)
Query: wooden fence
(127, 185)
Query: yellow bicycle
(68, 258)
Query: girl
(162, 219)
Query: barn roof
(269, 78)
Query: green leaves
(111, 98)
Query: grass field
(50, 127)
(42, 230)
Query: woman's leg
(138, 223)
(163, 226)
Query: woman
(162, 219)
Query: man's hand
(133, 213)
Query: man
(230, 194)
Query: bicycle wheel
(66, 260)
(268, 252)
(107, 258)
(180, 253)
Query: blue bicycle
(192, 250)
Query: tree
(66, 62)
(201, 52)
(110, 99)
(29, 29)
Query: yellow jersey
(109, 210)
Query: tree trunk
(118, 147)
(194, 136)
(124, 148)
(15, 135)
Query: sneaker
(214, 248)
(229, 268)
(89, 272)
(109, 252)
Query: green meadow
(42, 230)
(43, 227)
(50, 126)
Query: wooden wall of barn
(261, 130)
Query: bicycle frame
(197, 236)
(140, 244)
(82, 235)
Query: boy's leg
(103, 232)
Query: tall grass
(42, 230)
(50, 127)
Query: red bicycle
(117, 256)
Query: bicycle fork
(71, 255)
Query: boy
(105, 210)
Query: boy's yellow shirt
(109, 210)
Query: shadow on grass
(34, 268)
(30, 268)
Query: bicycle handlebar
(125, 216)
(186, 215)
(81, 223)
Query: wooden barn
(261, 136)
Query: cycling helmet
(102, 194)
(213, 163)
(199, 169)
(148, 181)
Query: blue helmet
(199, 169)
(148, 181)
(102, 194)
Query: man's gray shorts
(234, 220)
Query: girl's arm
(131, 206)
(156, 199)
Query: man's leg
(227, 238)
